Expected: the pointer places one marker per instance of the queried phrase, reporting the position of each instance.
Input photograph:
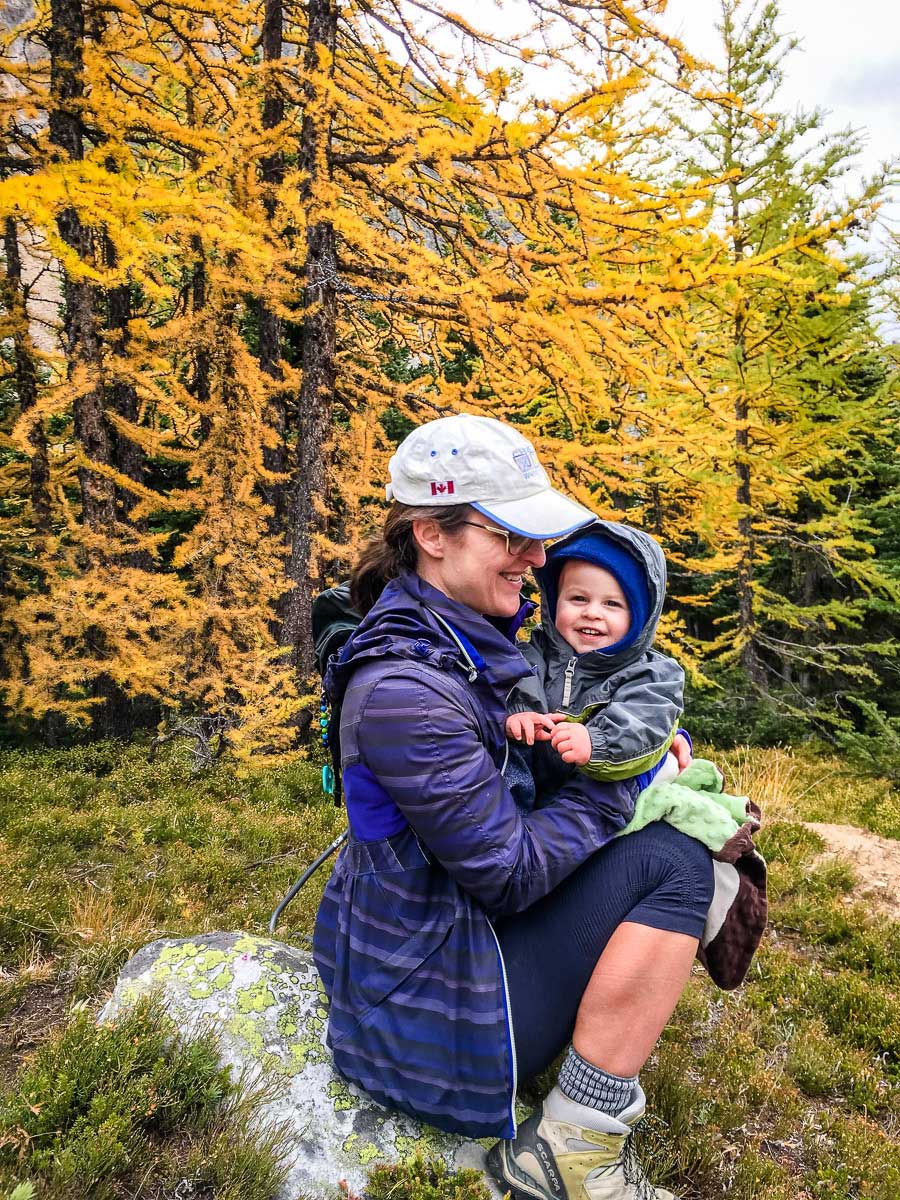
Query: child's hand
(529, 727)
(681, 749)
(572, 742)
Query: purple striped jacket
(419, 1015)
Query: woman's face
(473, 566)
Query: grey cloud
(877, 84)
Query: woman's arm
(421, 741)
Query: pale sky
(848, 62)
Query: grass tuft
(87, 1115)
(423, 1179)
(227, 1167)
(102, 933)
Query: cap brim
(547, 514)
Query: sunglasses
(516, 543)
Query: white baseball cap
(465, 459)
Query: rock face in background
(40, 272)
(14, 12)
(265, 1002)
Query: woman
(462, 943)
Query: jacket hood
(413, 620)
(599, 543)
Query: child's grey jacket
(631, 700)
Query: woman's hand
(529, 727)
(681, 750)
(571, 741)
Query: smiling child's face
(591, 611)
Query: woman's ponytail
(394, 549)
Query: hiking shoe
(555, 1156)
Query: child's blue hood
(588, 544)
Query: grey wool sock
(586, 1084)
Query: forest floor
(786, 1089)
(876, 864)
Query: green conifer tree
(788, 385)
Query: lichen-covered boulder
(265, 1002)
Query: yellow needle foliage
(430, 230)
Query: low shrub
(425, 1179)
(97, 1105)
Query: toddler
(605, 701)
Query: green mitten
(702, 775)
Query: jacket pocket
(392, 972)
(408, 902)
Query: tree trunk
(129, 458)
(128, 455)
(272, 169)
(746, 553)
(199, 385)
(66, 43)
(750, 660)
(26, 377)
(319, 336)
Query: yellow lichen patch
(255, 998)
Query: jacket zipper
(509, 1030)
(509, 1025)
(567, 688)
(472, 672)
(470, 669)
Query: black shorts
(657, 877)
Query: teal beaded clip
(327, 771)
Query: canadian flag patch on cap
(442, 489)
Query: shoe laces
(634, 1172)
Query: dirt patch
(34, 1015)
(875, 860)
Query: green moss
(424, 1179)
(359, 1150)
(287, 1020)
(248, 1031)
(341, 1096)
(223, 979)
(208, 959)
(417, 1147)
(311, 1051)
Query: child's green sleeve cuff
(613, 772)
